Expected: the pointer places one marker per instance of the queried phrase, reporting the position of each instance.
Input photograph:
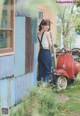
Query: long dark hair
(45, 22)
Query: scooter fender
(60, 72)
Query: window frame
(42, 11)
(4, 51)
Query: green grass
(72, 106)
(78, 76)
(43, 101)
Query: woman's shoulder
(47, 33)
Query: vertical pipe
(35, 63)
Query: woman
(44, 56)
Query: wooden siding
(19, 45)
(29, 47)
(6, 66)
(22, 86)
(7, 92)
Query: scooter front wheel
(61, 82)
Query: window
(40, 16)
(6, 26)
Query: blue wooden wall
(19, 46)
(22, 86)
(14, 83)
(6, 66)
(7, 92)
(23, 82)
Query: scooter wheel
(61, 82)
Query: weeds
(41, 98)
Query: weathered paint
(4, 92)
(7, 93)
(11, 92)
(23, 82)
(22, 85)
(13, 89)
(19, 46)
(6, 66)
(12, 85)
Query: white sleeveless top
(45, 43)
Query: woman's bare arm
(48, 38)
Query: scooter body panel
(61, 72)
(66, 62)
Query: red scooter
(67, 68)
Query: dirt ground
(62, 98)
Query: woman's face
(45, 27)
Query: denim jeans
(44, 64)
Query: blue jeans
(44, 65)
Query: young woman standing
(44, 56)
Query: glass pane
(40, 16)
(7, 2)
(6, 14)
(4, 19)
(5, 39)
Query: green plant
(48, 103)
(40, 98)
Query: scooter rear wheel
(61, 82)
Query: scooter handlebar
(64, 50)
